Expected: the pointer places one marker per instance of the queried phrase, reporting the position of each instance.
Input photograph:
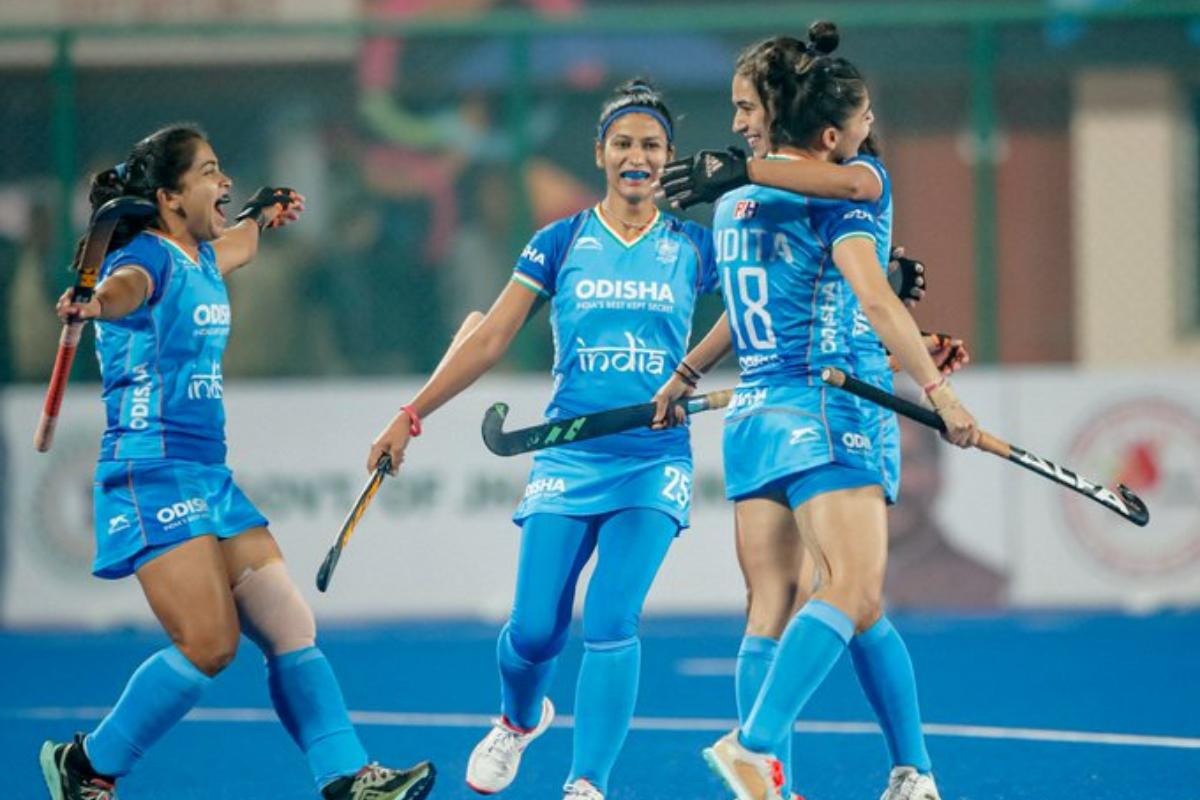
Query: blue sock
(754, 660)
(604, 701)
(885, 672)
(310, 705)
(811, 645)
(523, 683)
(159, 693)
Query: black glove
(263, 199)
(704, 177)
(907, 277)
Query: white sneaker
(494, 761)
(581, 789)
(751, 776)
(905, 783)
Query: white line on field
(411, 719)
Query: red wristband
(414, 420)
(933, 386)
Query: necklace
(633, 226)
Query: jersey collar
(174, 245)
(627, 243)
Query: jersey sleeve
(842, 219)
(875, 165)
(537, 266)
(709, 280)
(142, 251)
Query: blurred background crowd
(434, 136)
(1044, 159)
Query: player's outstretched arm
(705, 176)
(817, 178)
(484, 344)
(707, 353)
(855, 258)
(269, 207)
(464, 330)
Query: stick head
(1138, 513)
(493, 428)
(126, 206)
(325, 573)
(100, 233)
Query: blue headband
(121, 170)
(607, 122)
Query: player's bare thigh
(846, 531)
(188, 590)
(770, 554)
(249, 550)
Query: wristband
(414, 420)
(941, 395)
(696, 374)
(685, 378)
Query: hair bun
(823, 36)
(111, 177)
(635, 85)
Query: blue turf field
(1045, 706)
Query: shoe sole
(719, 769)
(50, 770)
(479, 790)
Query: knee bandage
(273, 613)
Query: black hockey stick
(95, 247)
(589, 426)
(325, 573)
(1123, 501)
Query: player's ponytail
(156, 162)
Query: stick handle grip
(707, 402)
(68, 344)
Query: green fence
(432, 148)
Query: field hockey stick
(589, 426)
(95, 248)
(325, 573)
(1122, 502)
(382, 467)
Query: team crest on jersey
(667, 251)
(745, 209)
